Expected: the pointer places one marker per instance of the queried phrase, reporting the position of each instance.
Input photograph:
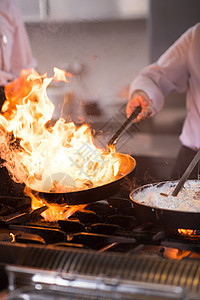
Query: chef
(15, 50)
(177, 70)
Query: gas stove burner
(189, 233)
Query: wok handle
(186, 173)
(115, 137)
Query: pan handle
(133, 116)
(186, 174)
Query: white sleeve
(169, 74)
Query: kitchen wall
(104, 44)
(168, 20)
(106, 56)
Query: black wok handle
(133, 116)
(186, 174)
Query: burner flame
(54, 212)
(187, 232)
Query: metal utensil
(186, 173)
(133, 116)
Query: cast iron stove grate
(105, 244)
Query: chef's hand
(140, 98)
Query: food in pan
(160, 196)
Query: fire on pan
(61, 159)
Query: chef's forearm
(146, 85)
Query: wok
(165, 217)
(127, 167)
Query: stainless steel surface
(53, 284)
(55, 271)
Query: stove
(101, 252)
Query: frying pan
(165, 217)
(127, 166)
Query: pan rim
(93, 188)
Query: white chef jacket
(15, 50)
(177, 70)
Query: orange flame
(54, 212)
(57, 158)
(186, 232)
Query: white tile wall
(109, 53)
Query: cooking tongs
(186, 174)
(133, 116)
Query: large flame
(50, 158)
